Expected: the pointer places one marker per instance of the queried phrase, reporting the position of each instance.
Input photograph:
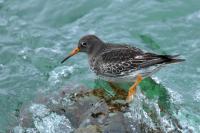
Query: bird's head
(86, 44)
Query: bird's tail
(171, 59)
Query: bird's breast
(93, 65)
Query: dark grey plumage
(121, 62)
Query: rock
(82, 110)
(89, 129)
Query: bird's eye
(84, 44)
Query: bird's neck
(93, 51)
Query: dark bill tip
(75, 51)
(65, 59)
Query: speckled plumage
(123, 63)
(118, 62)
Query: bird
(115, 62)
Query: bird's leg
(132, 89)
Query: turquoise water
(35, 35)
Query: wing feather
(120, 61)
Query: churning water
(35, 35)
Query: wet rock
(89, 129)
(83, 110)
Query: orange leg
(132, 89)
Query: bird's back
(123, 61)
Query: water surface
(35, 35)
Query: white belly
(131, 77)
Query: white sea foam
(186, 122)
(39, 110)
(175, 96)
(194, 16)
(47, 122)
(58, 73)
(156, 79)
(53, 123)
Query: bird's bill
(73, 52)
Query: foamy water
(36, 35)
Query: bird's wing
(122, 61)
